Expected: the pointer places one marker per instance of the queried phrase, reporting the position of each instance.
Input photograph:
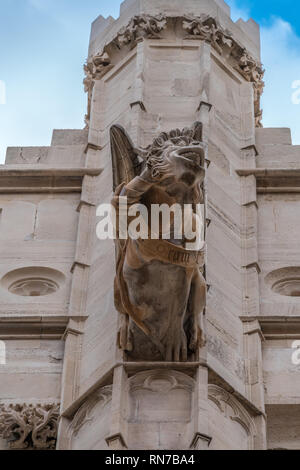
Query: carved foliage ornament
(139, 27)
(203, 27)
(208, 29)
(93, 71)
(29, 426)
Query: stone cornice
(277, 327)
(25, 178)
(274, 180)
(204, 27)
(20, 327)
(39, 170)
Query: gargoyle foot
(176, 347)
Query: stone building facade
(162, 65)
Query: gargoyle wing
(125, 160)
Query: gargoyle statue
(160, 290)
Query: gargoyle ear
(198, 131)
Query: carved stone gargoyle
(160, 290)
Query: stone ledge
(44, 170)
(31, 328)
(276, 327)
(269, 172)
(43, 179)
(274, 180)
(37, 327)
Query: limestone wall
(57, 313)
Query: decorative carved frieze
(202, 27)
(145, 26)
(29, 426)
(208, 29)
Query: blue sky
(43, 45)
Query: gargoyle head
(176, 160)
(179, 155)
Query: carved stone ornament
(94, 70)
(160, 291)
(208, 29)
(204, 27)
(232, 409)
(84, 414)
(29, 426)
(161, 381)
(164, 388)
(146, 26)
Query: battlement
(105, 30)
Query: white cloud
(281, 59)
